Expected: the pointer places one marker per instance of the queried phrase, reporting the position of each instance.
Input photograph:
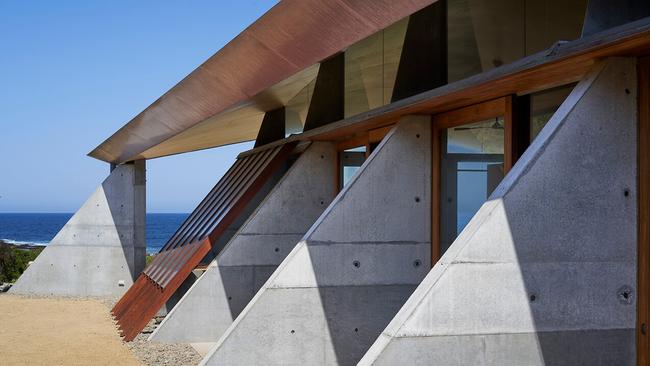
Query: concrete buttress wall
(101, 250)
(355, 267)
(255, 251)
(545, 272)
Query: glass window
(371, 68)
(471, 167)
(543, 106)
(297, 108)
(484, 137)
(350, 162)
(475, 181)
(482, 35)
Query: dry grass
(54, 331)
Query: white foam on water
(18, 242)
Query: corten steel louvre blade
(195, 238)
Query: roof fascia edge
(561, 51)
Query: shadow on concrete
(374, 252)
(127, 206)
(356, 315)
(571, 212)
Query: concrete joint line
(395, 243)
(269, 234)
(504, 333)
(341, 286)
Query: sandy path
(39, 331)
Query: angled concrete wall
(226, 236)
(340, 286)
(256, 250)
(101, 249)
(545, 273)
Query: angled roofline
(292, 36)
(561, 64)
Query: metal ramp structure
(196, 237)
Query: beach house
(451, 182)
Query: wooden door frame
(501, 107)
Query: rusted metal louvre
(195, 238)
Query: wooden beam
(360, 140)
(562, 64)
(471, 114)
(378, 134)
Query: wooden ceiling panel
(237, 124)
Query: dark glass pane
(351, 160)
(543, 106)
(486, 34)
(471, 168)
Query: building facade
(450, 182)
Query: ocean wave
(19, 242)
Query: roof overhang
(289, 38)
(565, 63)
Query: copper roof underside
(289, 38)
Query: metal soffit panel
(290, 37)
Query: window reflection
(484, 137)
(297, 108)
(475, 181)
(543, 106)
(471, 167)
(371, 67)
(481, 35)
(350, 162)
(487, 34)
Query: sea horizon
(39, 228)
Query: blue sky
(73, 72)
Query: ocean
(40, 228)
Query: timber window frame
(500, 107)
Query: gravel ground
(147, 353)
(154, 353)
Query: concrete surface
(250, 208)
(220, 243)
(202, 348)
(101, 249)
(545, 272)
(338, 288)
(255, 251)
